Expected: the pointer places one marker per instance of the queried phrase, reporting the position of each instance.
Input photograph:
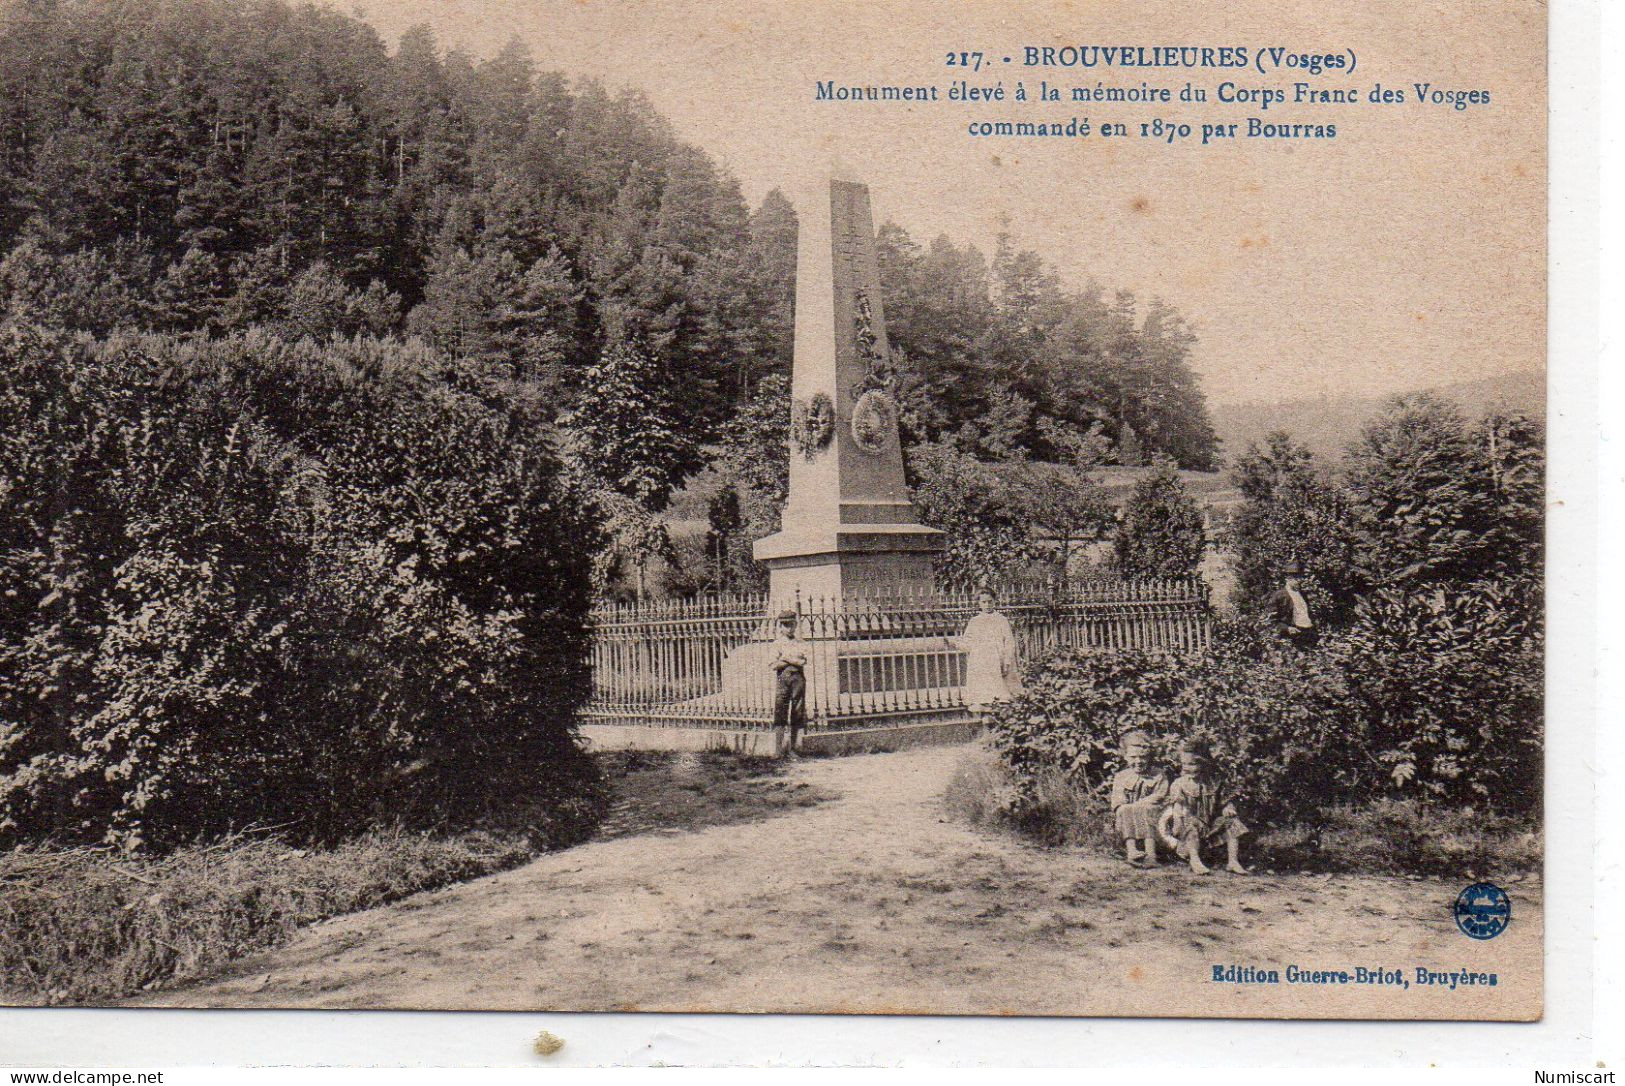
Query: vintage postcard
(885, 507)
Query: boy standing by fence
(789, 663)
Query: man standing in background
(1289, 611)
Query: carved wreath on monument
(812, 424)
(874, 416)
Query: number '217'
(973, 61)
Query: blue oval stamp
(1483, 910)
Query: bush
(1292, 512)
(252, 582)
(986, 531)
(1161, 534)
(1425, 692)
(1380, 837)
(1425, 500)
(1278, 724)
(1437, 500)
(1450, 684)
(1075, 706)
(1432, 699)
(978, 792)
(1273, 721)
(1053, 809)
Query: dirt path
(871, 901)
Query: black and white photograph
(816, 507)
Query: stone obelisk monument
(849, 528)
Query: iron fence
(870, 657)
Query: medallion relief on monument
(812, 424)
(873, 420)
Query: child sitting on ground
(1198, 814)
(1137, 798)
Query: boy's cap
(787, 616)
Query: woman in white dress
(992, 671)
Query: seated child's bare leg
(1193, 848)
(1232, 848)
(1151, 848)
(1131, 850)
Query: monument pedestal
(849, 562)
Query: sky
(1407, 252)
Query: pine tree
(1424, 496)
(317, 303)
(522, 222)
(376, 310)
(192, 293)
(1292, 512)
(501, 98)
(261, 277)
(535, 324)
(769, 284)
(86, 290)
(625, 428)
(1513, 450)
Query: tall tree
(1161, 534)
(768, 288)
(754, 469)
(1424, 496)
(1292, 512)
(626, 427)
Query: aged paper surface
(1166, 233)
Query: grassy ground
(654, 792)
(88, 926)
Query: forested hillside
(204, 166)
(338, 378)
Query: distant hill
(1207, 487)
(1327, 426)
